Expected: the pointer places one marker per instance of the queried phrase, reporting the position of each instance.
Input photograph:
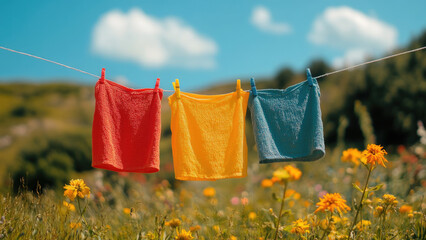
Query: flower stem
(281, 210)
(323, 234)
(382, 225)
(328, 225)
(360, 202)
(81, 212)
(78, 203)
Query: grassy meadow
(133, 207)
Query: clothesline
(320, 76)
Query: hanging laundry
(287, 122)
(126, 127)
(208, 134)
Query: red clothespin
(102, 79)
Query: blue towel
(287, 122)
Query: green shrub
(50, 160)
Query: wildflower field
(367, 195)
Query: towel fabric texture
(208, 135)
(126, 128)
(287, 122)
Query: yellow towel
(208, 135)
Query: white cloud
(354, 32)
(151, 42)
(351, 57)
(121, 80)
(261, 18)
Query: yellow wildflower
(352, 155)
(216, 228)
(288, 173)
(69, 206)
(209, 192)
(378, 211)
(300, 227)
(174, 223)
(76, 188)
(296, 195)
(344, 221)
(150, 236)
(252, 216)
(295, 173)
(389, 199)
(267, 183)
(363, 224)
(127, 211)
(289, 192)
(292, 193)
(183, 235)
(306, 204)
(406, 209)
(336, 219)
(233, 237)
(195, 228)
(275, 179)
(334, 235)
(410, 215)
(325, 224)
(374, 154)
(331, 202)
(368, 202)
(281, 174)
(74, 225)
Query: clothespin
(238, 88)
(177, 88)
(174, 86)
(102, 79)
(309, 77)
(157, 83)
(253, 87)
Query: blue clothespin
(253, 87)
(309, 77)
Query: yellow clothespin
(238, 88)
(177, 88)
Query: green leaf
(367, 192)
(287, 228)
(376, 188)
(275, 197)
(356, 187)
(286, 212)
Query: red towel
(126, 128)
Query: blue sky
(199, 42)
